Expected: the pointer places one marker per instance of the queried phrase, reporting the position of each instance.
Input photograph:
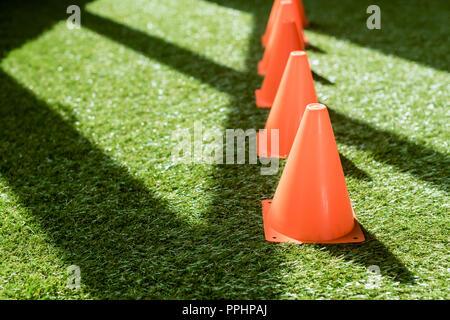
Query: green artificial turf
(87, 179)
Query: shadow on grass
(100, 217)
(350, 169)
(311, 47)
(415, 30)
(28, 19)
(373, 252)
(425, 163)
(318, 78)
(221, 77)
(128, 242)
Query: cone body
(270, 22)
(311, 202)
(286, 12)
(296, 91)
(293, 12)
(286, 41)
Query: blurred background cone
(311, 202)
(286, 40)
(285, 13)
(296, 91)
(270, 22)
(293, 12)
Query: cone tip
(315, 106)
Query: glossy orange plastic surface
(286, 12)
(311, 202)
(294, 13)
(270, 22)
(286, 41)
(296, 91)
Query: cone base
(260, 102)
(356, 235)
(263, 151)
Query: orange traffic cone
(311, 203)
(286, 41)
(305, 21)
(285, 13)
(296, 91)
(270, 22)
(294, 13)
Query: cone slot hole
(315, 106)
(298, 53)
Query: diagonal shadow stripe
(407, 31)
(425, 163)
(218, 76)
(28, 19)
